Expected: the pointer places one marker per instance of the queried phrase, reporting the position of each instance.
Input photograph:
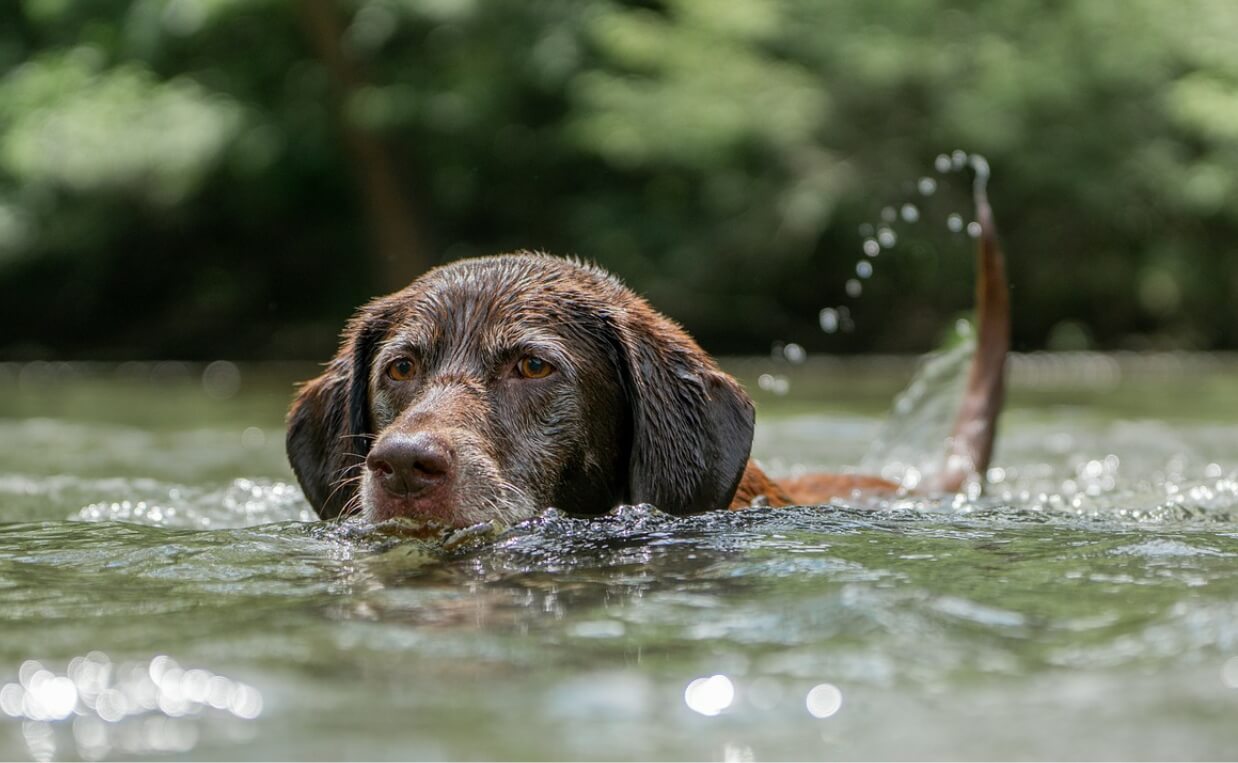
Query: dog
(490, 389)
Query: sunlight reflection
(710, 696)
(824, 700)
(243, 502)
(133, 707)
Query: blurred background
(196, 179)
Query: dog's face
(491, 389)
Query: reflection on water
(130, 708)
(163, 593)
(709, 696)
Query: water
(162, 593)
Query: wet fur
(637, 412)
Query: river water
(165, 593)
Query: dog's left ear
(691, 422)
(329, 427)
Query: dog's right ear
(329, 425)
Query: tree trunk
(398, 246)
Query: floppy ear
(691, 423)
(329, 427)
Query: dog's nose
(408, 465)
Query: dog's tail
(975, 428)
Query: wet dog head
(492, 388)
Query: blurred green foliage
(194, 178)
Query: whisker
(344, 483)
(352, 507)
(346, 467)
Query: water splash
(782, 353)
(778, 384)
(908, 448)
(884, 237)
(242, 503)
(829, 320)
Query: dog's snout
(409, 465)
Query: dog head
(492, 388)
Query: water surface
(164, 591)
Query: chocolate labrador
(492, 388)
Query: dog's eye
(531, 367)
(401, 369)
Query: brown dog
(492, 388)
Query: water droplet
(927, 186)
(889, 214)
(973, 229)
(777, 384)
(829, 320)
(942, 163)
(958, 159)
(854, 289)
(221, 379)
(886, 237)
(954, 222)
(910, 213)
(871, 247)
(794, 353)
(864, 268)
(253, 438)
(866, 229)
(844, 319)
(980, 165)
